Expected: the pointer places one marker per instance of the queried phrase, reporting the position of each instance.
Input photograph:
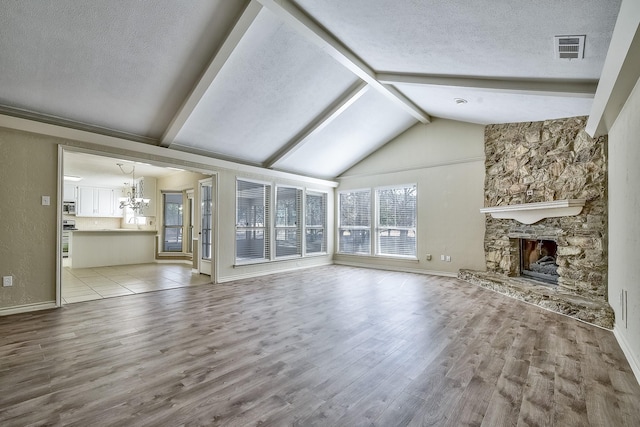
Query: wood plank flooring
(329, 346)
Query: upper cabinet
(98, 202)
(69, 192)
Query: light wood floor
(326, 346)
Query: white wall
(446, 161)
(624, 225)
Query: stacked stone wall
(558, 160)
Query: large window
(287, 221)
(316, 222)
(252, 221)
(396, 221)
(355, 222)
(172, 225)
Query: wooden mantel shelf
(529, 213)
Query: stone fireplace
(546, 222)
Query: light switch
(46, 200)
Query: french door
(206, 226)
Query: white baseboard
(626, 349)
(26, 308)
(393, 268)
(252, 274)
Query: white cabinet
(69, 193)
(95, 201)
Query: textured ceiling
(301, 86)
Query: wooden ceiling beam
(330, 114)
(217, 62)
(566, 88)
(308, 28)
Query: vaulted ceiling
(305, 86)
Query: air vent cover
(569, 47)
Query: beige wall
(624, 224)
(226, 207)
(446, 161)
(28, 229)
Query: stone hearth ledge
(530, 213)
(598, 313)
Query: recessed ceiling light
(72, 178)
(460, 100)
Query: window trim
(268, 226)
(374, 222)
(376, 225)
(180, 227)
(298, 227)
(325, 194)
(361, 227)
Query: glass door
(206, 228)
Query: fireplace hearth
(546, 223)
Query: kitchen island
(120, 246)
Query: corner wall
(28, 229)
(446, 160)
(624, 226)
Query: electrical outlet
(7, 280)
(529, 192)
(46, 200)
(448, 258)
(441, 257)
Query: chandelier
(133, 201)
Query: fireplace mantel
(529, 213)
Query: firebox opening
(538, 259)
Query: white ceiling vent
(569, 47)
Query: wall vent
(569, 47)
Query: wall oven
(68, 225)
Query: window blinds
(287, 222)
(252, 221)
(355, 222)
(316, 222)
(396, 221)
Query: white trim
(419, 168)
(529, 213)
(142, 149)
(393, 268)
(27, 308)
(626, 349)
(253, 274)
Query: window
(207, 219)
(355, 222)
(316, 222)
(252, 221)
(172, 226)
(287, 222)
(396, 221)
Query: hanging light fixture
(134, 201)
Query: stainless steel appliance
(69, 208)
(68, 225)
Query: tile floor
(86, 284)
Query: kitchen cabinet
(97, 202)
(69, 192)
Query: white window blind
(288, 222)
(316, 222)
(252, 221)
(396, 221)
(355, 222)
